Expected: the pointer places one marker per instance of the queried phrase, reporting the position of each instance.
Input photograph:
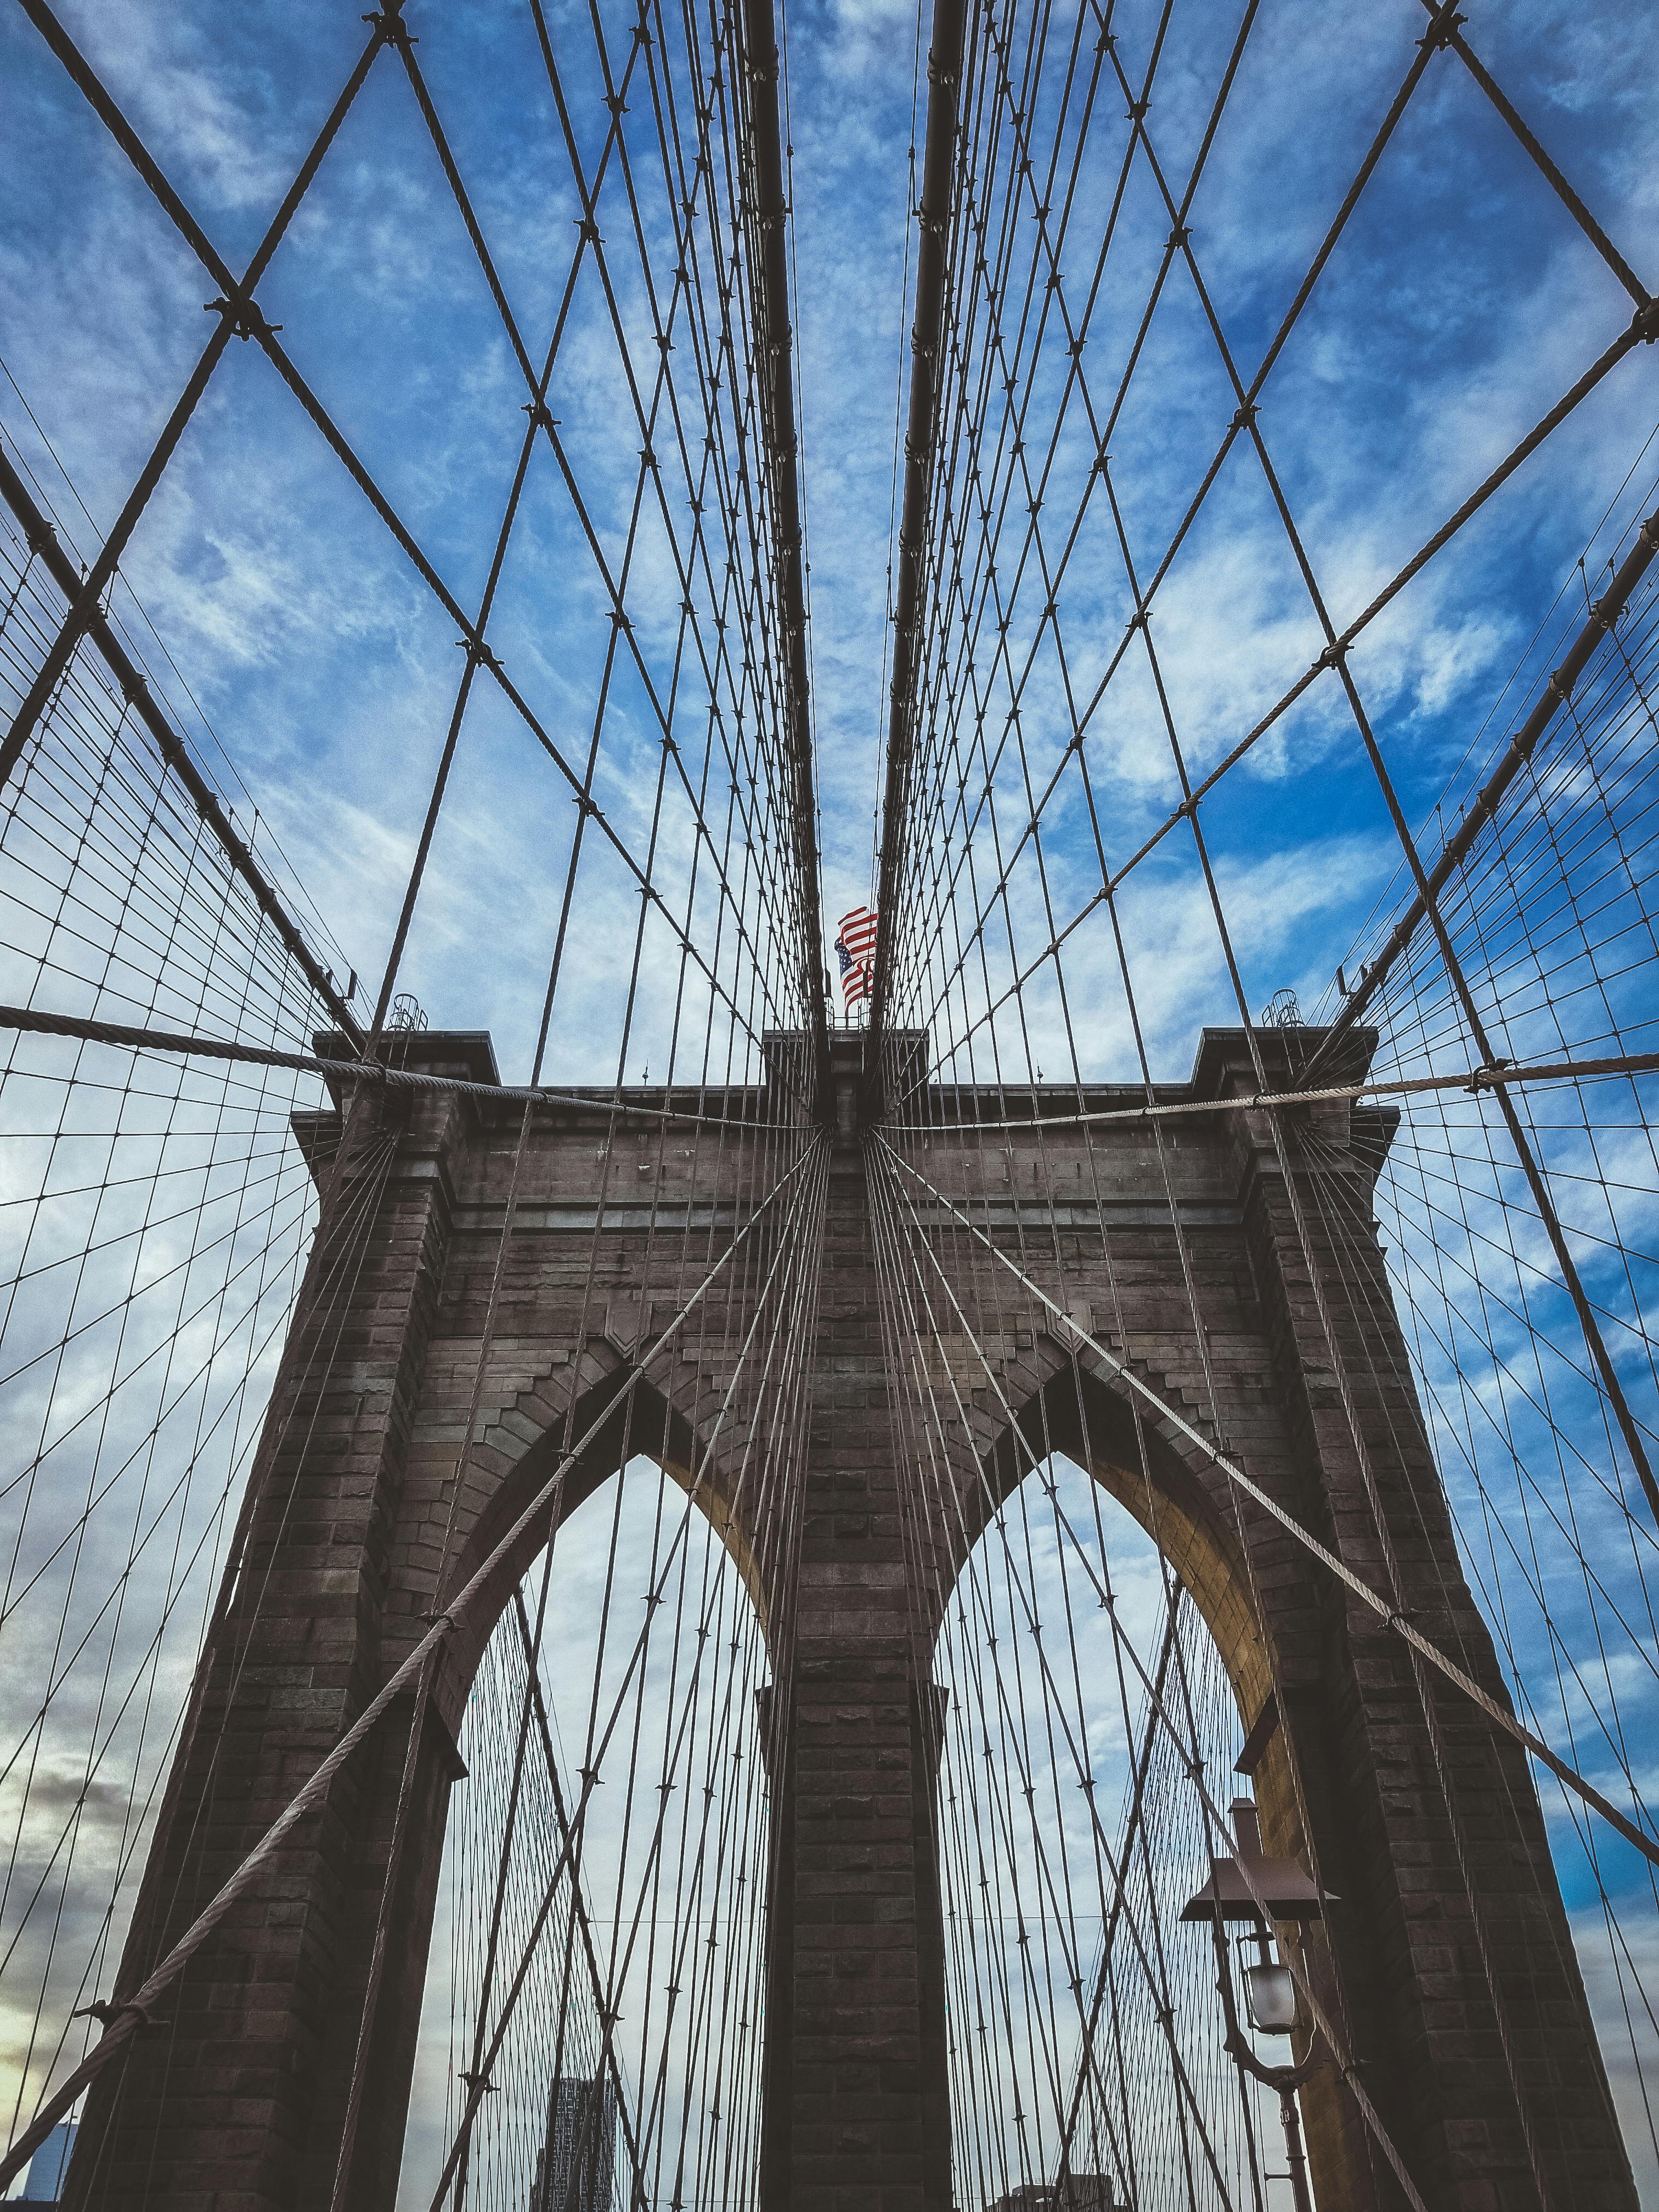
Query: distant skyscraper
(1079, 2192)
(577, 2166)
(44, 2184)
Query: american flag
(855, 950)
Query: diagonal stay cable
(540, 419)
(133, 2013)
(1102, 431)
(812, 1154)
(1555, 693)
(1530, 1167)
(1341, 2057)
(238, 318)
(1643, 330)
(1389, 1615)
(135, 688)
(1448, 30)
(239, 309)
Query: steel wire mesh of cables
(650, 1988)
(619, 1791)
(671, 884)
(156, 1214)
(1121, 781)
(1060, 1937)
(651, 717)
(1551, 928)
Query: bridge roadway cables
(1045, 1599)
(934, 217)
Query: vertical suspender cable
(783, 446)
(926, 341)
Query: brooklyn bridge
(828, 1028)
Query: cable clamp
(1334, 655)
(246, 320)
(479, 653)
(108, 2011)
(1244, 419)
(541, 417)
(1137, 111)
(390, 26)
(1603, 616)
(589, 228)
(1644, 323)
(1179, 236)
(1485, 1078)
(1443, 30)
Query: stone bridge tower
(240, 2097)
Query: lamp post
(1279, 1890)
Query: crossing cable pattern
(671, 1972)
(156, 1222)
(174, 1022)
(1021, 931)
(685, 890)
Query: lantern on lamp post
(1252, 1888)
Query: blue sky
(1459, 306)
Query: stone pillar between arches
(856, 2113)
